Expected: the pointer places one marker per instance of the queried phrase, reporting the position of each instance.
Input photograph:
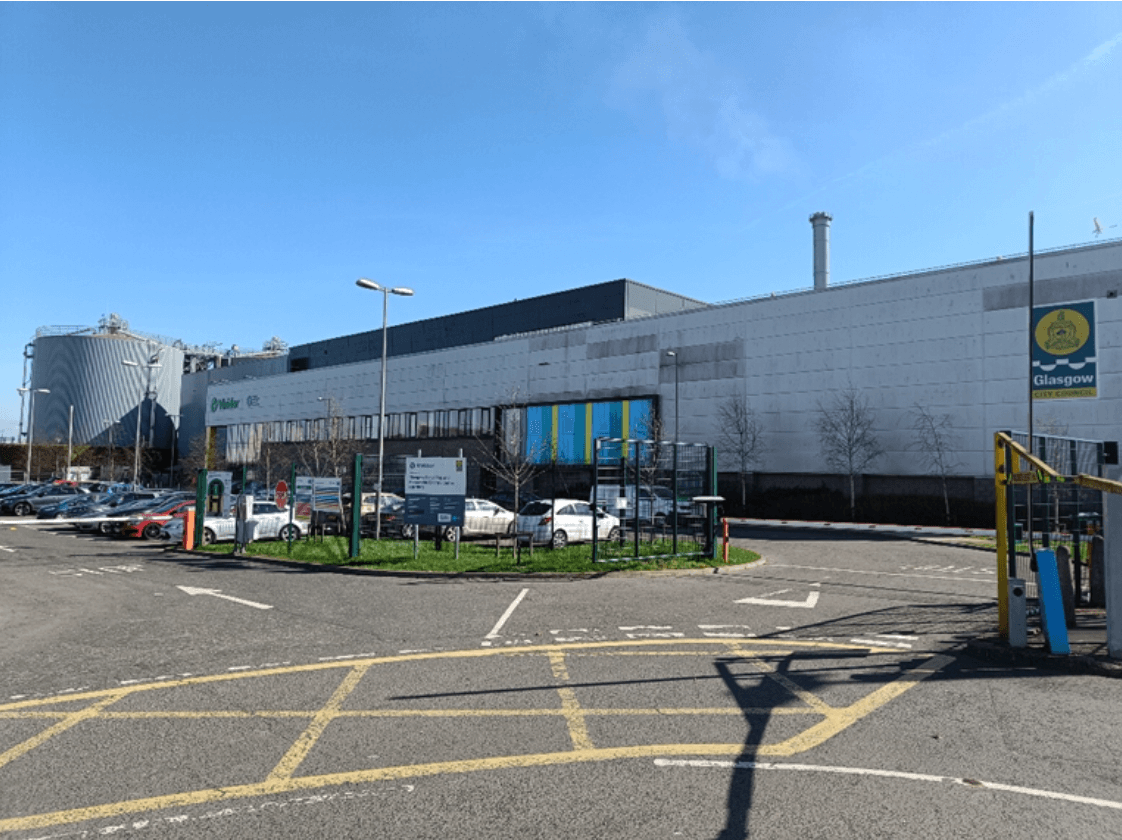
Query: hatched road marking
(559, 695)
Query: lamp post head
(368, 284)
(672, 354)
(402, 290)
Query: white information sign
(434, 491)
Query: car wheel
(407, 532)
(105, 528)
(660, 521)
(560, 539)
(289, 532)
(613, 534)
(450, 533)
(151, 531)
(22, 509)
(208, 536)
(510, 529)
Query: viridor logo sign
(217, 404)
(1064, 364)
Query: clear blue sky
(223, 172)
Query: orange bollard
(189, 530)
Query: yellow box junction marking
(282, 779)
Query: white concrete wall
(954, 341)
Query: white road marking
(811, 600)
(113, 570)
(878, 642)
(217, 593)
(890, 774)
(509, 612)
(651, 631)
(726, 631)
(878, 574)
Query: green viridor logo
(217, 404)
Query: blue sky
(223, 172)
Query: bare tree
(327, 449)
(846, 434)
(740, 438)
(933, 442)
(512, 456)
(203, 454)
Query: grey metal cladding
(1058, 290)
(85, 371)
(645, 301)
(628, 346)
(596, 303)
(704, 362)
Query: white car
(572, 522)
(269, 523)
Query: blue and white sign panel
(1064, 360)
(434, 491)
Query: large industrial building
(608, 359)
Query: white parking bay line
(887, 774)
(494, 634)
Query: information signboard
(1064, 358)
(434, 491)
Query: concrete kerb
(995, 649)
(494, 576)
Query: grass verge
(475, 557)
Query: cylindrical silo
(88, 371)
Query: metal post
(356, 507)
(595, 499)
(70, 443)
(31, 423)
(1031, 338)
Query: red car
(149, 523)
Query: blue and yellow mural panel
(566, 431)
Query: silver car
(563, 521)
(482, 518)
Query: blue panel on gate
(1051, 604)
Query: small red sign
(281, 495)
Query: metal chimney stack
(821, 222)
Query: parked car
(70, 506)
(563, 521)
(656, 504)
(147, 524)
(392, 513)
(269, 523)
(370, 502)
(484, 518)
(27, 503)
(106, 518)
(505, 499)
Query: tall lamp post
(31, 422)
(153, 362)
(112, 442)
(386, 292)
(674, 355)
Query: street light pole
(112, 442)
(386, 292)
(153, 362)
(31, 423)
(674, 355)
